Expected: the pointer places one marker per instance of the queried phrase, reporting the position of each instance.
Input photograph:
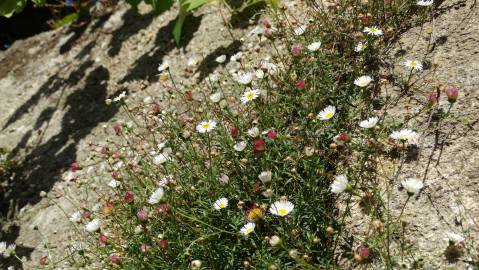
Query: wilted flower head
(216, 97)
(265, 177)
(314, 46)
(129, 197)
(156, 196)
(237, 56)
(253, 132)
(240, 146)
(369, 123)
(93, 225)
(247, 228)
(413, 65)
(224, 178)
(412, 185)
(121, 96)
(163, 66)
(327, 113)
(360, 46)
(250, 95)
(363, 81)
(340, 184)
(404, 135)
(196, 264)
(244, 77)
(220, 203)
(114, 183)
(281, 208)
(373, 31)
(76, 217)
(298, 31)
(206, 126)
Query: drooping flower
(454, 238)
(76, 217)
(369, 123)
(314, 46)
(253, 132)
(163, 66)
(156, 196)
(221, 59)
(404, 135)
(216, 97)
(247, 228)
(412, 185)
(244, 77)
(452, 93)
(240, 146)
(424, 3)
(360, 46)
(363, 81)
(93, 225)
(327, 113)
(340, 184)
(223, 178)
(281, 208)
(206, 126)
(220, 203)
(265, 177)
(373, 31)
(413, 65)
(237, 56)
(298, 31)
(250, 95)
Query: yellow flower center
(329, 115)
(248, 230)
(413, 64)
(206, 125)
(373, 30)
(282, 211)
(222, 205)
(250, 95)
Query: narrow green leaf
(66, 20)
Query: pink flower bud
(102, 239)
(452, 94)
(259, 145)
(155, 108)
(265, 23)
(144, 248)
(300, 84)
(296, 50)
(43, 260)
(142, 215)
(363, 252)
(129, 197)
(115, 175)
(234, 132)
(117, 129)
(75, 166)
(162, 209)
(344, 137)
(432, 99)
(86, 214)
(272, 134)
(115, 259)
(164, 244)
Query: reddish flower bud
(162, 209)
(86, 214)
(104, 151)
(115, 175)
(363, 252)
(300, 84)
(116, 154)
(256, 187)
(344, 137)
(234, 132)
(259, 145)
(129, 197)
(432, 99)
(452, 94)
(189, 95)
(142, 215)
(117, 129)
(115, 259)
(102, 239)
(144, 248)
(265, 23)
(164, 244)
(272, 134)
(296, 50)
(75, 166)
(155, 107)
(365, 19)
(268, 33)
(43, 260)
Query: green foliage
(66, 20)
(9, 7)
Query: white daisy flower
(412, 185)
(216, 97)
(373, 31)
(340, 184)
(248, 228)
(314, 46)
(163, 66)
(424, 3)
(298, 31)
(206, 126)
(250, 95)
(75, 217)
(93, 225)
(404, 135)
(114, 184)
(413, 65)
(244, 77)
(221, 59)
(156, 196)
(363, 81)
(10, 250)
(327, 113)
(237, 56)
(454, 237)
(281, 208)
(253, 132)
(220, 203)
(240, 146)
(265, 177)
(360, 46)
(369, 123)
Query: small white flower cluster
(7, 251)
